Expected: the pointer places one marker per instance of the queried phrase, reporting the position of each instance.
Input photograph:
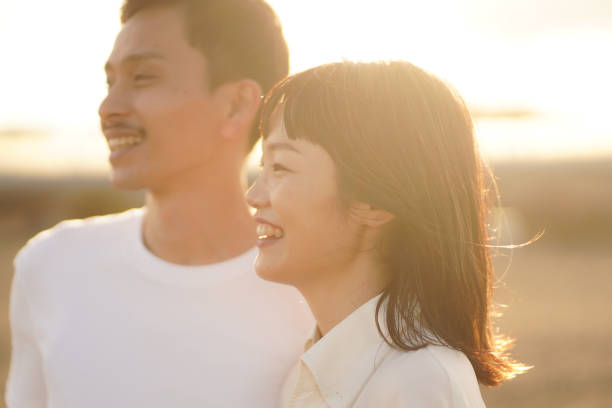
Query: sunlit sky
(552, 57)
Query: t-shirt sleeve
(25, 387)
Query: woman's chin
(264, 270)
(270, 271)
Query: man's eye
(143, 77)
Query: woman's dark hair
(402, 141)
(239, 39)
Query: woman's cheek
(283, 195)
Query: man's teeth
(268, 231)
(121, 142)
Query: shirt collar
(342, 361)
(314, 337)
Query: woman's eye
(277, 168)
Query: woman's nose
(257, 195)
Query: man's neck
(198, 224)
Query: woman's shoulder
(433, 376)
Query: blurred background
(535, 74)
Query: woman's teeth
(117, 143)
(265, 231)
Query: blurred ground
(557, 290)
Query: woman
(371, 203)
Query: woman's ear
(368, 215)
(243, 100)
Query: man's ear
(368, 215)
(243, 100)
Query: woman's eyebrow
(281, 146)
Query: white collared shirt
(352, 366)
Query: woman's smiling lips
(267, 233)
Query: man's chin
(127, 182)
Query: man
(160, 307)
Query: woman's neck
(340, 292)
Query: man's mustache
(120, 125)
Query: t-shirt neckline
(163, 271)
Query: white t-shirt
(98, 321)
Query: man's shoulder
(72, 236)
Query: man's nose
(114, 104)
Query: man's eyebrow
(135, 58)
(282, 146)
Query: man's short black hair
(239, 39)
